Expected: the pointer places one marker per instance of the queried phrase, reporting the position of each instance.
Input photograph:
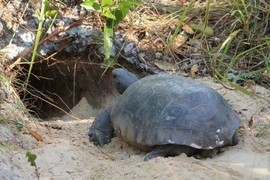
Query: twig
(53, 105)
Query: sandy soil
(66, 152)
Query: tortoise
(166, 115)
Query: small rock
(158, 55)
(129, 48)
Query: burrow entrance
(58, 84)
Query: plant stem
(41, 18)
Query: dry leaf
(35, 134)
(187, 29)
(193, 70)
(164, 65)
(266, 74)
(179, 40)
(249, 84)
(207, 31)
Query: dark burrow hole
(58, 85)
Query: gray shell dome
(168, 109)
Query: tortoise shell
(168, 109)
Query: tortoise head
(123, 79)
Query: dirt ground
(66, 152)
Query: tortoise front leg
(101, 132)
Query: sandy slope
(67, 154)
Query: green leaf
(108, 14)
(106, 3)
(108, 63)
(47, 5)
(96, 6)
(97, 39)
(88, 2)
(124, 8)
(119, 16)
(129, 4)
(50, 13)
(31, 158)
(20, 125)
(108, 34)
(91, 5)
(121, 12)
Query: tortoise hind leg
(235, 139)
(169, 150)
(209, 153)
(101, 132)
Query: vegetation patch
(225, 39)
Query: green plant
(113, 11)
(179, 25)
(241, 12)
(45, 12)
(31, 158)
(244, 48)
